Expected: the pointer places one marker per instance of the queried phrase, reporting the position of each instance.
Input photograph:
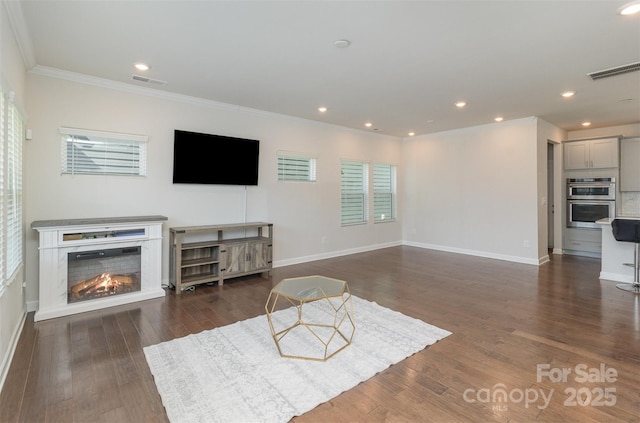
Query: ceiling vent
(148, 80)
(632, 67)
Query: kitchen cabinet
(598, 153)
(630, 164)
(583, 242)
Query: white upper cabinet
(576, 155)
(591, 154)
(630, 164)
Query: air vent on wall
(148, 80)
(632, 67)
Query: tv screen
(214, 159)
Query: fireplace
(102, 273)
(90, 264)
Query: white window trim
(103, 134)
(114, 136)
(365, 192)
(313, 164)
(394, 192)
(17, 136)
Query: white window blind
(12, 189)
(292, 167)
(354, 184)
(3, 143)
(384, 192)
(103, 153)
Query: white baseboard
(98, 304)
(616, 277)
(8, 358)
(504, 257)
(32, 306)
(331, 254)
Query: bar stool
(628, 230)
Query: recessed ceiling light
(568, 94)
(586, 123)
(411, 134)
(342, 43)
(322, 109)
(499, 119)
(142, 66)
(461, 104)
(368, 124)
(630, 8)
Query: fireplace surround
(90, 264)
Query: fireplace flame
(103, 285)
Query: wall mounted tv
(214, 159)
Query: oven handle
(591, 184)
(591, 202)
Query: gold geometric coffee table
(323, 336)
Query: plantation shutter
(383, 189)
(3, 143)
(13, 189)
(103, 153)
(354, 192)
(296, 168)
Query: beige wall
(474, 191)
(12, 304)
(306, 217)
(624, 130)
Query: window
(3, 142)
(11, 139)
(103, 153)
(292, 167)
(13, 189)
(354, 187)
(384, 187)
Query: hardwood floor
(508, 320)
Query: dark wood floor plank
(506, 319)
(11, 399)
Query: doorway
(550, 196)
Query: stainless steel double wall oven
(589, 200)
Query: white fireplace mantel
(58, 238)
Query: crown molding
(125, 87)
(181, 98)
(20, 32)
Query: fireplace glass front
(103, 273)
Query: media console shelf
(205, 254)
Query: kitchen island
(615, 254)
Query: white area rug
(235, 374)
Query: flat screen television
(214, 159)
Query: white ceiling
(408, 63)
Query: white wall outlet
(525, 243)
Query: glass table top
(310, 288)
